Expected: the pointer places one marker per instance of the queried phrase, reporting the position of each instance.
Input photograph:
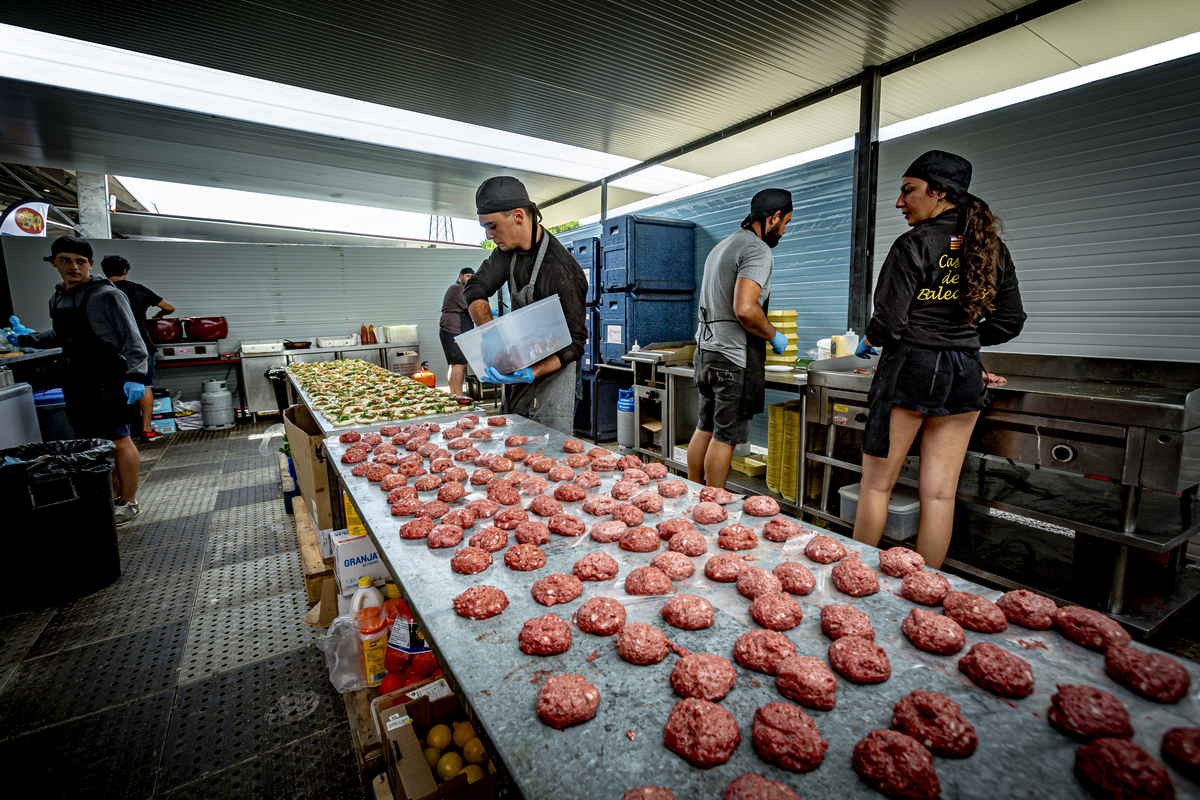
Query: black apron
(877, 438)
(93, 370)
(754, 385)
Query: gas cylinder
(216, 406)
(425, 376)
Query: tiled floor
(191, 676)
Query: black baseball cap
(766, 203)
(502, 193)
(70, 244)
(466, 271)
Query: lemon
(439, 736)
(463, 733)
(473, 752)
(432, 754)
(474, 772)
(448, 766)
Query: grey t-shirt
(742, 255)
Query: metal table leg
(1131, 497)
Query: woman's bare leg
(880, 474)
(944, 443)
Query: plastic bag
(266, 447)
(187, 414)
(56, 459)
(343, 655)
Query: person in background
(534, 265)
(947, 288)
(141, 299)
(455, 320)
(730, 361)
(104, 368)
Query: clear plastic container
(518, 339)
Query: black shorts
(101, 431)
(721, 385)
(940, 382)
(150, 370)
(454, 354)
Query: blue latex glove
(11, 336)
(863, 351)
(495, 312)
(17, 327)
(779, 343)
(492, 375)
(133, 392)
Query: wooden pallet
(367, 748)
(316, 569)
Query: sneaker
(126, 513)
(152, 436)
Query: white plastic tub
(904, 510)
(518, 339)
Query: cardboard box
(354, 523)
(162, 413)
(324, 537)
(353, 557)
(308, 455)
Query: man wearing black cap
(732, 337)
(534, 265)
(105, 360)
(455, 320)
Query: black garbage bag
(56, 459)
(278, 376)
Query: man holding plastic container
(733, 334)
(534, 265)
(105, 360)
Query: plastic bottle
(367, 595)
(403, 629)
(363, 337)
(373, 638)
(851, 342)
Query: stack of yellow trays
(784, 321)
(783, 446)
(774, 444)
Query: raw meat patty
(629, 462)
(1085, 713)
(629, 514)
(647, 580)
(428, 483)
(755, 581)
(896, 765)
(1029, 610)
(510, 518)
(516, 440)
(602, 616)
(462, 517)
(854, 578)
(736, 537)
(524, 557)
(1119, 769)
(935, 721)
(669, 527)
(451, 492)
(608, 532)
(557, 587)
(434, 509)
(724, 567)
(640, 540)
(635, 476)
(471, 560)
(756, 787)
(642, 644)
(353, 456)
(780, 530)
(1089, 628)
(543, 466)
(974, 612)
(997, 670)
(672, 488)
(689, 612)
(925, 587)
(648, 502)
(604, 463)
(776, 611)
(453, 432)
(824, 549)
(444, 536)
(566, 699)
(569, 493)
(547, 635)
(899, 562)
(1181, 749)
(933, 633)
(417, 529)
(401, 493)
(577, 460)
(1154, 676)
(497, 422)
(599, 505)
(499, 465)
(505, 496)
(690, 543)
(380, 449)
(676, 565)
(762, 650)
(461, 443)
(701, 732)
(515, 453)
(491, 539)
(655, 470)
(595, 567)
(406, 507)
(440, 465)
(572, 446)
(859, 660)
(794, 578)
(760, 506)
(566, 525)
(587, 480)
(709, 513)
(349, 436)
(703, 676)
(372, 439)
(481, 476)
(532, 532)
(377, 472)
(480, 602)
(808, 681)
(545, 506)
(392, 482)
(713, 494)
(785, 735)
(360, 470)
(411, 470)
(454, 475)
(425, 450)
(648, 793)
(386, 458)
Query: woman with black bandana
(947, 288)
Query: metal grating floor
(192, 675)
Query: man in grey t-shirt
(733, 332)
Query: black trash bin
(278, 378)
(58, 495)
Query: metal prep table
(622, 747)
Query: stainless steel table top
(622, 747)
(26, 357)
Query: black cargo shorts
(721, 385)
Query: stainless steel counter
(19, 358)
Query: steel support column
(866, 174)
(92, 191)
(603, 200)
